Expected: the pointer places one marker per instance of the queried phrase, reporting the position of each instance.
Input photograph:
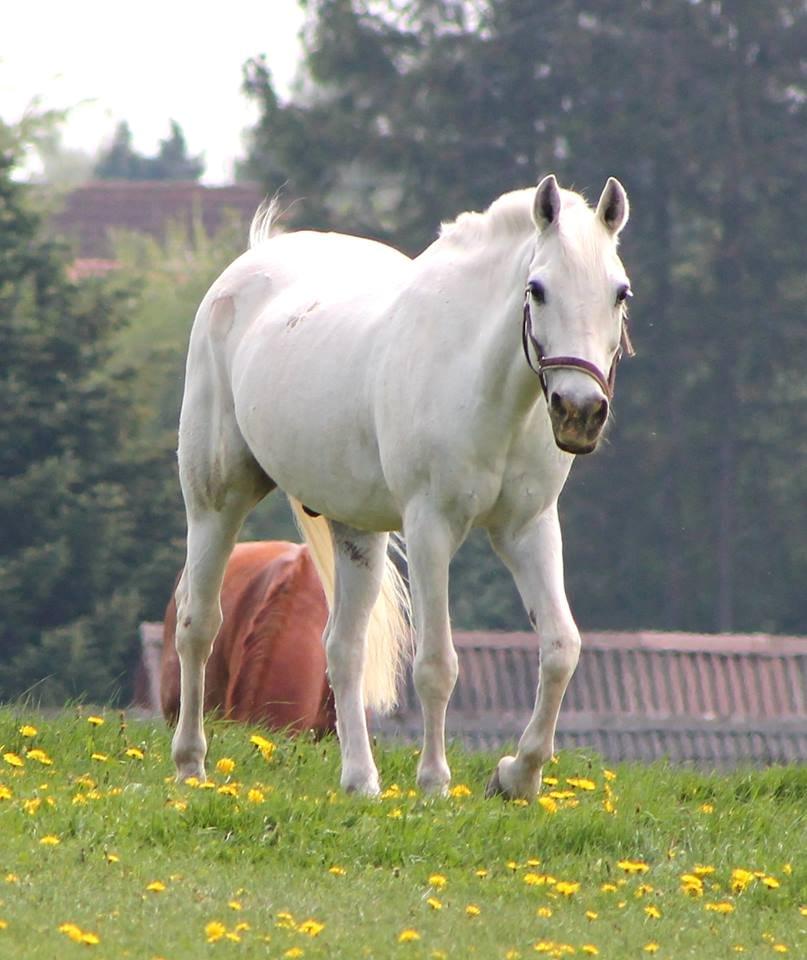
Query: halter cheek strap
(571, 363)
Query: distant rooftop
(93, 210)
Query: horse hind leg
(359, 566)
(220, 485)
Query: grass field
(102, 854)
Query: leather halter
(571, 363)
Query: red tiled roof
(94, 209)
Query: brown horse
(268, 661)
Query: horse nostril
(558, 405)
(599, 413)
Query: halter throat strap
(544, 363)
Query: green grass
(122, 823)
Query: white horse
(386, 393)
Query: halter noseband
(571, 363)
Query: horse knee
(195, 631)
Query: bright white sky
(146, 63)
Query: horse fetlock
(362, 783)
(434, 779)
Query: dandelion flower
(255, 796)
(590, 949)
(434, 903)
(651, 947)
(337, 871)
(100, 757)
(214, 931)
(26, 730)
(13, 760)
(544, 912)
(3, 924)
(549, 804)
(135, 753)
(311, 927)
(50, 840)
(482, 872)
(5, 792)
(770, 882)
(780, 948)
(71, 930)
(156, 886)
(234, 904)
(472, 910)
(581, 783)
(706, 808)
(293, 952)
(722, 907)
(112, 858)
(266, 747)
(591, 915)
(438, 881)
(567, 887)
(740, 879)
(95, 721)
(395, 814)
(408, 936)
(652, 911)
(225, 766)
(40, 756)
(633, 866)
(461, 790)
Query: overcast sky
(146, 63)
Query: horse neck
(485, 284)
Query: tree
(122, 162)
(409, 113)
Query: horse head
(575, 308)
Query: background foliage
(691, 517)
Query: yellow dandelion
(590, 949)
(408, 936)
(26, 730)
(549, 804)
(550, 781)
(311, 927)
(534, 879)
(225, 766)
(134, 753)
(156, 886)
(706, 808)
(512, 955)
(11, 878)
(234, 904)
(544, 912)
(461, 790)
(472, 910)
(702, 870)
(780, 948)
(787, 869)
(803, 910)
(214, 931)
(285, 921)
(13, 760)
(721, 907)
(609, 774)
(608, 888)
(770, 882)
(228, 790)
(32, 805)
(5, 792)
(643, 889)
(95, 721)
(40, 756)
(651, 947)
(567, 887)
(337, 871)
(71, 930)
(482, 872)
(434, 903)
(265, 747)
(438, 881)
(112, 858)
(581, 783)
(740, 879)
(633, 866)
(293, 952)
(562, 794)
(89, 938)
(3, 924)
(255, 796)
(50, 840)
(591, 915)
(100, 757)
(652, 911)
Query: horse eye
(537, 291)
(623, 293)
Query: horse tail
(263, 225)
(389, 635)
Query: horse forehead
(583, 259)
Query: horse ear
(546, 205)
(613, 208)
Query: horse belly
(302, 407)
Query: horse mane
(509, 217)
(264, 221)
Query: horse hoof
(191, 772)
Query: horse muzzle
(577, 424)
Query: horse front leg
(534, 556)
(430, 545)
